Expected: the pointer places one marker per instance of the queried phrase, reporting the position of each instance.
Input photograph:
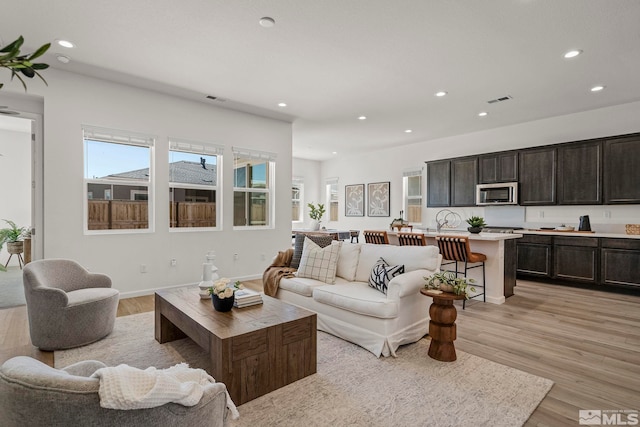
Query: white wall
(15, 176)
(388, 165)
(72, 100)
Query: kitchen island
(500, 249)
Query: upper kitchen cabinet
(537, 176)
(622, 170)
(464, 177)
(498, 167)
(439, 183)
(580, 173)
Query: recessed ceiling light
(63, 58)
(334, 152)
(362, 118)
(408, 131)
(482, 113)
(65, 43)
(282, 104)
(597, 88)
(572, 53)
(267, 22)
(441, 93)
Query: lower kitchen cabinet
(534, 256)
(620, 259)
(575, 258)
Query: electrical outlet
(540, 214)
(607, 214)
(143, 268)
(174, 262)
(263, 257)
(235, 256)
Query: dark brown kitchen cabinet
(464, 177)
(498, 167)
(622, 170)
(537, 176)
(439, 183)
(534, 256)
(580, 173)
(619, 262)
(576, 259)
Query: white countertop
(580, 234)
(472, 236)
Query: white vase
(315, 225)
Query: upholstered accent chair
(35, 394)
(67, 305)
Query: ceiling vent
(215, 98)
(504, 98)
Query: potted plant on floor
(447, 281)
(476, 223)
(12, 236)
(316, 214)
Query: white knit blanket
(126, 387)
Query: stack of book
(246, 297)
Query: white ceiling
(334, 60)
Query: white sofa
(356, 312)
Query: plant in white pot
(13, 237)
(315, 214)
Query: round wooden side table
(442, 326)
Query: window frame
(270, 160)
(127, 138)
(329, 193)
(405, 193)
(198, 148)
(298, 183)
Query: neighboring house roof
(182, 171)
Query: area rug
(11, 288)
(352, 387)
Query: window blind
(246, 153)
(186, 146)
(412, 172)
(117, 136)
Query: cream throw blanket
(126, 387)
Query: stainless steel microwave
(503, 193)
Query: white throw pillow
(348, 261)
(319, 263)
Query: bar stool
(412, 239)
(456, 249)
(376, 236)
(354, 234)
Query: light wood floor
(587, 342)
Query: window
(332, 198)
(253, 177)
(118, 172)
(412, 200)
(297, 198)
(194, 193)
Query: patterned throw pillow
(382, 273)
(319, 263)
(322, 241)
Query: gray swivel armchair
(67, 306)
(35, 394)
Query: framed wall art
(378, 199)
(354, 200)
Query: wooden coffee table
(253, 350)
(442, 326)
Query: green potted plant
(22, 65)
(315, 214)
(476, 224)
(447, 281)
(12, 236)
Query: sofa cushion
(319, 263)
(304, 286)
(357, 297)
(412, 257)
(298, 246)
(382, 273)
(348, 260)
